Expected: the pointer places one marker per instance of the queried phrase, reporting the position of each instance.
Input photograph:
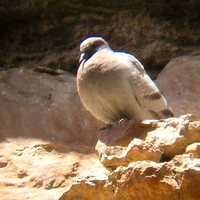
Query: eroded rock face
(161, 164)
(158, 139)
(180, 83)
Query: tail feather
(163, 114)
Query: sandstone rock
(33, 168)
(193, 150)
(180, 83)
(165, 137)
(173, 135)
(43, 106)
(115, 156)
(170, 180)
(150, 177)
(140, 180)
(160, 165)
(47, 138)
(89, 188)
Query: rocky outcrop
(180, 83)
(161, 163)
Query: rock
(47, 34)
(40, 169)
(47, 143)
(122, 133)
(144, 180)
(3, 162)
(187, 174)
(157, 165)
(115, 156)
(44, 106)
(165, 137)
(180, 83)
(193, 150)
(89, 188)
(47, 138)
(174, 134)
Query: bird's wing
(146, 92)
(136, 64)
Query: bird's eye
(93, 46)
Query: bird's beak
(82, 57)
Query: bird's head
(90, 46)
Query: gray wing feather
(147, 93)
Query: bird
(114, 85)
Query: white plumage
(114, 85)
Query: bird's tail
(163, 114)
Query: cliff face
(47, 33)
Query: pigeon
(114, 85)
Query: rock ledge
(162, 162)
